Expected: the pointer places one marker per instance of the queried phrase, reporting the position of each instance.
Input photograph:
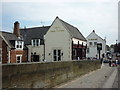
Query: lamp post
(116, 42)
(99, 48)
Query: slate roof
(9, 37)
(38, 32)
(73, 31)
(33, 33)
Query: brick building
(13, 50)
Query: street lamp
(116, 41)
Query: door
(18, 58)
(56, 55)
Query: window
(19, 44)
(18, 58)
(90, 43)
(95, 43)
(57, 55)
(35, 42)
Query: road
(105, 77)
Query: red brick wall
(4, 52)
(14, 52)
(24, 57)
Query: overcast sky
(86, 15)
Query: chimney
(94, 31)
(16, 29)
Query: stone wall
(44, 75)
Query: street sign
(99, 46)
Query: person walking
(110, 63)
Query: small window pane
(95, 43)
(33, 42)
(59, 55)
(20, 46)
(18, 59)
(17, 46)
(37, 42)
(90, 43)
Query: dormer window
(35, 42)
(19, 44)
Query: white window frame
(35, 45)
(20, 58)
(19, 43)
(57, 56)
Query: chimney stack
(94, 31)
(16, 29)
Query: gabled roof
(73, 30)
(96, 35)
(9, 37)
(33, 33)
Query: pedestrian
(116, 61)
(101, 60)
(110, 63)
(96, 56)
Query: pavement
(105, 77)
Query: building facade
(58, 42)
(13, 50)
(92, 40)
(64, 42)
(34, 41)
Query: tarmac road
(105, 77)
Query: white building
(92, 40)
(64, 42)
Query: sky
(86, 15)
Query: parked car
(105, 61)
(118, 54)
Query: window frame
(90, 43)
(19, 44)
(20, 58)
(57, 55)
(36, 42)
(95, 44)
